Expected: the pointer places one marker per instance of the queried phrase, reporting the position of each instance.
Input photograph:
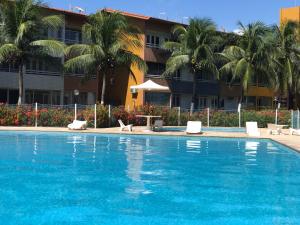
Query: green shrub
(61, 117)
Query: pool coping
(292, 142)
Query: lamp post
(277, 105)
(76, 93)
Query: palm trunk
(290, 99)
(21, 84)
(242, 94)
(103, 88)
(297, 101)
(194, 94)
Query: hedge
(61, 117)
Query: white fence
(295, 119)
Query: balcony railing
(81, 75)
(43, 72)
(8, 69)
(153, 76)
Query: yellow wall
(290, 14)
(137, 100)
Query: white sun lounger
(78, 125)
(295, 132)
(124, 127)
(252, 129)
(194, 127)
(158, 124)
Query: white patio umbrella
(150, 86)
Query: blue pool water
(139, 180)
(216, 129)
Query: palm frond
(50, 47)
(9, 52)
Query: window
(205, 76)
(55, 98)
(157, 41)
(177, 75)
(72, 36)
(3, 95)
(214, 102)
(202, 102)
(42, 97)
(176, 100)
(250, 101)
(156, 98)
(153, 41)
(156, 69)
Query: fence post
(109, 115)
(36, 108)
(298, 120)
(75, 111)
(276, 116)
(178, 119)
(95, 116)
(208, 117)
(239, 112)
(292, 119)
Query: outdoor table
(148, 127)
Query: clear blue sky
(225, 13)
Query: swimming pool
(215, 129)
(62, 178)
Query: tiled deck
(287, 140)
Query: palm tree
(193, 49)
(108, 44)
(249, 58)
(287, 60)
(20, 29)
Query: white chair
(252, 129)
(273, 129)
(124, 127)
(194, 127)
(294, 131)
(158, 124)
(78, 125)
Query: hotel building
(45, 82)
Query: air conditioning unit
(133, 91)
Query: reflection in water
(75, 140)
(135, 156)
(35, 149)
(193, 146)
(251, 148)
(94, 148)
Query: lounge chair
(124, 127)
(78, 125)
(194, 127)
(252, 129)
(158, 124)
(273, 129)
(294, 131)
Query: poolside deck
(285, 139)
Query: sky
(226, 13)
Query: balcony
(43, 72)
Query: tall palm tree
(193, 49)
(288, 60)
(20, 29)
(249, 58)
(108, 44)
